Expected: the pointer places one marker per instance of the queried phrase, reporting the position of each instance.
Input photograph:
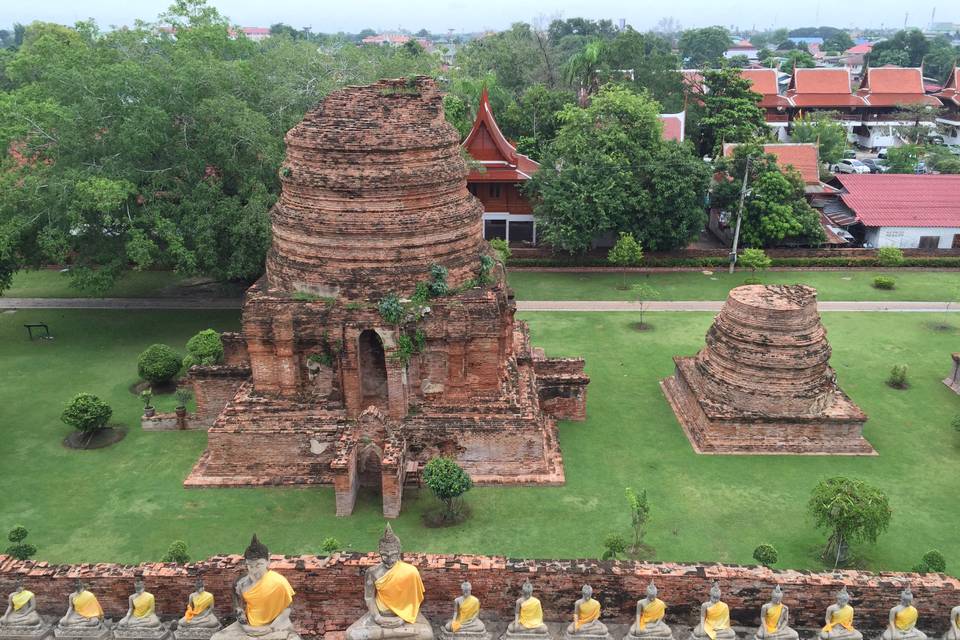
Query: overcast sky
(478, 15)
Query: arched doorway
(369, 468)
(373, 370)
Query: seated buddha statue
(466, 614)
(527, 615)
(839, 619)
(199, 614)
(22, 612)
(141, 614)
(902, 623)
(649, 622)
(393, 592)
(586, 617)
(714, 618)
(261, 601)
(83, 612)
(775, 620)
(953, 633)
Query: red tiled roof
(802, 156)
(860, 49)
(824, 87)
(486, 144)
(950, 90)
(674, 125)
(255, 31)
(890, 86)
(902, 200)
(764, 82)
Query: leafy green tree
(532, 119)
(904, 159)
(646, 62)
(798, 59)
(890, 256)
(906, 48)
(766, 554)
(176, 552)
(703, 48)
(609, 170)
(613, 545)
(583, 70)
(851, 511)
(627, 252)
(755, 260)
(639, 514)
(18, 548)
(822, 129)
(931, 562)
(839, 41)
(642, 293)
(204, 348)
(941, 58)
(730, 111)
(519, 57)
(941, 160)
(86, 413)
(448, 482)
(159, 364)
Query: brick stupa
(763, 383)
(316, 388)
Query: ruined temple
(383, 331)
(763, 383)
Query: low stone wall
(329, 590)
(213, 387)
(169, 421)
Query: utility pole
(736, 233)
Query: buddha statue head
(389, 547)
(256, 557)
(586, 591)
(526, 589)
(651, 591)
(466, 588)
(906, 597)
(715, 592)
(776, 597)
(198, 585)
(80, 586)
(138, 586)
(18, 585)
(843, 597)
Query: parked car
(850, 166)
(875, 166)
(882, 154)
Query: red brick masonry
(329, 590)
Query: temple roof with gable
(487, 145)
(951, 91)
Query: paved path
(522, 305)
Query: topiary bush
(898, 377)
(19, 549)
(932, 562)
(159, 364)
(86, 413)
(766, 554)
(884, 282)
(176, 552)
(890, 257)
(205, 348)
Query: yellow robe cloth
(469, 609)
(773, 617)
(717, 619)
(906, 618)
(843, 617)
(198, 605)
(531, 613)
(652, 613)
(86, 605)
(143, 605)
(267, 599)
(20, 599)
(400, 590)
(588, 612)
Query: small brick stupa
(763, 383)
(324, 385)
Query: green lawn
(51, 283)
(126, 503)
(831, 285)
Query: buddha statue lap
(839, 620)
(649, 624)
(84, 616)
(586, 617)
(21, 619)
(714, 618)
(261, 600)
(527, 617)
(902, 623)
(775, 619)
(466, 621)
(953, 633)
(393, 593)
(199, 621)
(141, 620)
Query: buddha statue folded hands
(527, 616)
(21, 611)
(839, 620)
(953, 633)
(199, 613)
(649, 622)
(902, 624)
(714, 618)
(466, 616)
(775, 619)
(586, 617)
(84, 616)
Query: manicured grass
(51, 283)
(127, 504)
(831, 285)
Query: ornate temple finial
(389, 540)
(256, 550)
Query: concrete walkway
(522, 305)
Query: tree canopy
(728, 111)
(700, 48)
(823, 129)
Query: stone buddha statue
(393, 592)
(21, 617)
(466, 615)
(586, 617)
(198, 621)
(527, 615)
(649, 623)
(902, 624)
(141, 619)
(261, 601)
(714, 618)
(84, 616)
(839, 619)
(774, 619)
(953, 633)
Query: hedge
(721, 261)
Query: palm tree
(583, 68)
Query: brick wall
(213, 387)
(329, 590)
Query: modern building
(885, 92)
(498, 178)
(949, 118)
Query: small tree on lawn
(627, 252)
(448, 482)
(755, 259)
(851, 510)
(639, 514)
(766, 554)
(204, 348)
(177, 552)
(19, 549)
(613, 545)
(932, 562)
(86, 413)
(642, 294)
(159, 364)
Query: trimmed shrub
(898, 377)
(86, 413)
(890, 257)
(159, 364)
(755, 260)
(448, 482)
(19, 549)
(932, 562)
(205, 348)
(176, 552)
(766, 554)
(883, 282)
(614, 544)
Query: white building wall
(908, 237)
